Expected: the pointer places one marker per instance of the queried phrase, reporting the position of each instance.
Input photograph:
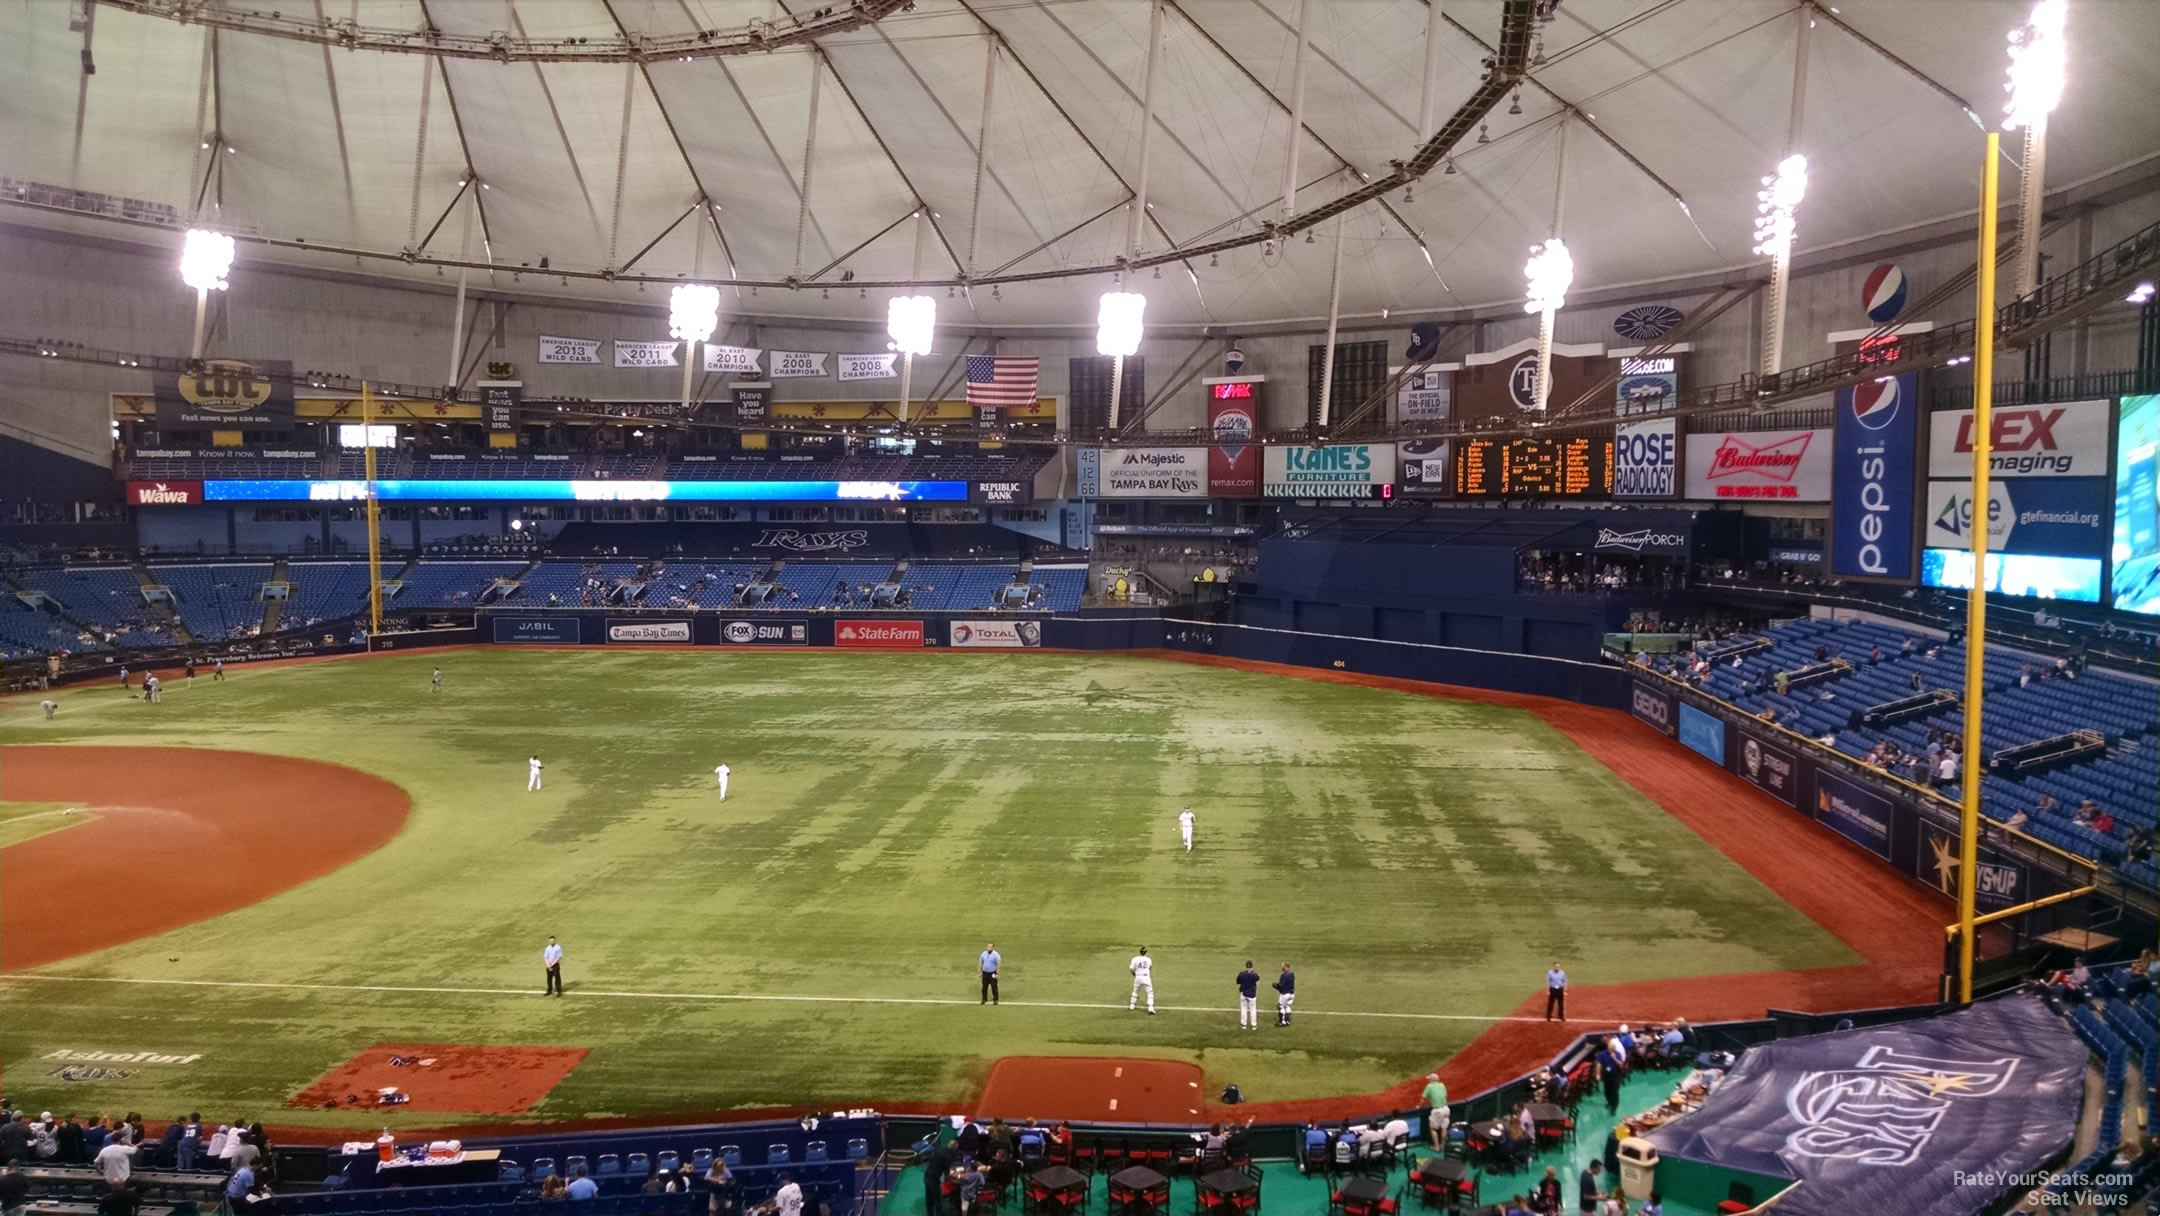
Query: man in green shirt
(1436, 1111)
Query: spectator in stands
(720, 1188)
(190, 1146)
(2017, 819)
(1586, 1188)
(69, 1136)
(1612, 1065)
(2087, 812)
(94, 1138)
(240, 1189)
(115, 1161)
(972, 1178)
(1675, 1042)
(2138, 980)
(1946, 770)
(581, 1186)
(2070, 985)
(119, 1201)
(1874, 654)
(1822, 651)
(169, 1143)
(14, 1190)
(1545, 1197)
(1828, 738)
(15, 1141)
(2138, 845)
(553, 1187)
(2103, 822)
(1770, 714)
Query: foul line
(418, 990)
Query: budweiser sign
(1792, 466)
(164, 493)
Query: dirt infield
(1893, 923)
(444, 1077)
(228, 815)
(1103, 1089)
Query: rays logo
(1887, 1107)
(1522, 382)
(811, 542)
(1997, 884)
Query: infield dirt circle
(175, 835)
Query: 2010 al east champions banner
(226, 394)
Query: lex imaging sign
(2069, 439)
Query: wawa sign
(164, 493)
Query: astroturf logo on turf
(117, 1057)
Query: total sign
(1873, 517)
(2069, 439)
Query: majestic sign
(796, 541)
(1149, 472)
(1426, 395)
(878, 635)
(1234, 425)
(1769, 767)
(764, 633)
(1343, 470)
(648, 631)
(1646, 459)
(1653, 706)
(1425, 472)
(869, 367)
(2049, 517)
(1786, 466)
(569, 350)
(797, 364)
(2065, 440)
(164, 493)
(741, 360)
(1005, 634)
(1577, 467)
(1873, 518)
(225, 394)
(647, 354)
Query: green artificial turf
(20, 821)
(889, 814)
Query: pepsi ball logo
(1875, 404)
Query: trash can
(1638, 1166)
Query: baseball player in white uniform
(1143, 976)
(1184, 827)
(721, 774)
(533, 782)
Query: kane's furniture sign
(879, 635)
(1782, 466)
(1341, 470)
(648, 631)
(1003, 634)
(764, 633)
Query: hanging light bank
(1550, 272)
(910, 321)
(206, 259)
(694, 311)
(1776, 205)
(2037, 65)
(1118, 323)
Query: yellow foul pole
(1976, 600)
(374, 532)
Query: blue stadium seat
(701, 1160)
(543, 1168)
(638, 1165)
(858, 1149)
(610, 1165)
(732, 1154)
(574, 1165)
(814, 1151)
(668, 1161)
(777, 1154)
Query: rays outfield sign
(1653, 706)
(1009, 635)
(1341, 470)
(648, 631)
(764, 633)
(879, 635)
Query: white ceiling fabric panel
(1673, 101)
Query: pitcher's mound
(444, 1077)
(1103, 1089)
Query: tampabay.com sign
(1342, 470)
(537, 490)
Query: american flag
(997, 382)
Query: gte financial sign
(2069, 439)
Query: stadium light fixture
(2038, 69)
(1118, 323)
(206, 259)
(1550, 271)
(693, 313)
(2141, 293)
(1777, 203)
(910, 321)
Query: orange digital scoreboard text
(1578, 467)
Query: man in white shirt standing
(787, 1201)
(532, 782)
(115, 1161)
(721, 775)
(551, 957)
(1184, 827)
(1143, 976)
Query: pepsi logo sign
(1882, 295)
(1875, 404)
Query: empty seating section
(324, 591)
(1062, 588)
(441, 584)
(216, 603)
(929, 585)
(573, 583)
(817, 585)
(106, 598)
(2022, 707)
(979, 587)
(26, 632)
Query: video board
(1579, 466)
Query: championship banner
(869, 367)
(499, 401)
(1234, 424)
(1425, 472)
(1340, 470)
(1937, 1117)
(796, 364)
(2044, 516)
(646, 354)
(226, 394)
(1007, 635)
(1873, 516)
(753, 402)
(742, 360)
(2069, 439)
(1149, 472)
(1426, 395)
(569, 350)
(1646, 459)
(1781, 466)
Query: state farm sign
(164, 493)
(1784, 466)
(878, 635)
(2065, 440)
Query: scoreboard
(1577, 467)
